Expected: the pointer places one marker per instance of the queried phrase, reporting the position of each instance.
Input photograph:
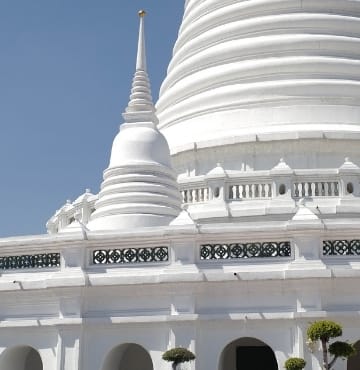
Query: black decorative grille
(130, 255)
(30, 261)
(245, 250)
(341, 247)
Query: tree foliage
(295, 363)
(324, 330)
(342, 349)
(178, 355)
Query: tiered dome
(263, 70)
(139, 187)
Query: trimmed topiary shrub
(342, 349)
(177, 356)
(295, 363)
(325, 330)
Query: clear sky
(65, 76)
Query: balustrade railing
(341, 247)
(315, 189)
(196, 195)
(264, 190)
(250, 191)
(130, 255)
(30, 261)
(245, 250)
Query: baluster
(252, 190)
(201, 194)
(336, 187)
(234, 192)
(247, 191)
(296, 189)
(326, 189)
(331, 189)
(260, 191)
(306, 189)
(300, 189)
(206, 194)
(312, 188)
(266, 191)
(231, 192)
(241, 191)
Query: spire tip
(142, 13)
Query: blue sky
(65, 75)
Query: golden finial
(142, 13)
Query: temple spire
(140, 109)
(141, 54)
(139, 187)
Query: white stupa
(261, 110)
(247, 71)
(139, 188)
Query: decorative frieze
(130, 255)
(341, 247)
(30, 261)
(245, 250)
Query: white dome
(140, 144)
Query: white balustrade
(250, 191)
(264, 190)
(316, 189)
(196, 195)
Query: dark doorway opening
(248, 353)
(255, 358)
(353, 362)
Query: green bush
(342, 349)
(295, 363)
(324, 330)
(178, 355)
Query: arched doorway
(129, 356)
(21, 358)
(353, 362)
(248, 353)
